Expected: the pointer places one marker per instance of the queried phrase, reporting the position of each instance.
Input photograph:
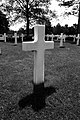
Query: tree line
(68, 30)
(32, 11)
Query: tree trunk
(27, 15)
(78, 30)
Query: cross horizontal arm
(49, 44)
(28, 46)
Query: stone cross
(74, 38)
(78, 37)
(52, 36)
(64, 38)
(0, 51)
(57, 37)
(47, 37)
(22, 36)
(61, 40)
(5, 37)
(39, 45)
(15, 36)
(33, 38)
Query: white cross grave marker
(15, 36)
(33, 38)
(57, 37)
(22, 36)
(39, 45)
(0, 51)
(64, 38)
(52, 36)
(47, 37)
(61, 40)
(78, 37)
(5, 37)
(74, 38)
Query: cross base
(78, 45)
(74, 42)
(15, 44)
(62, 46)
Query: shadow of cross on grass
(37, 98)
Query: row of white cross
(62, 37)
(3, 37)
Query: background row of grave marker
(61, 37)
(3, 37)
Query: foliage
(75, 9)
(73, 4)
(4, 23)
(28, 11)
(58, 29)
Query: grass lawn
(62, 70)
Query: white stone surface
(15, 36)
(0, 51)
(64, 37)
(78, 37)
(74, 38)
(5, 37)
(61, 40)
(47, 37)
(52, 36)
(1, 37)
(39, 45)
(22, 36)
